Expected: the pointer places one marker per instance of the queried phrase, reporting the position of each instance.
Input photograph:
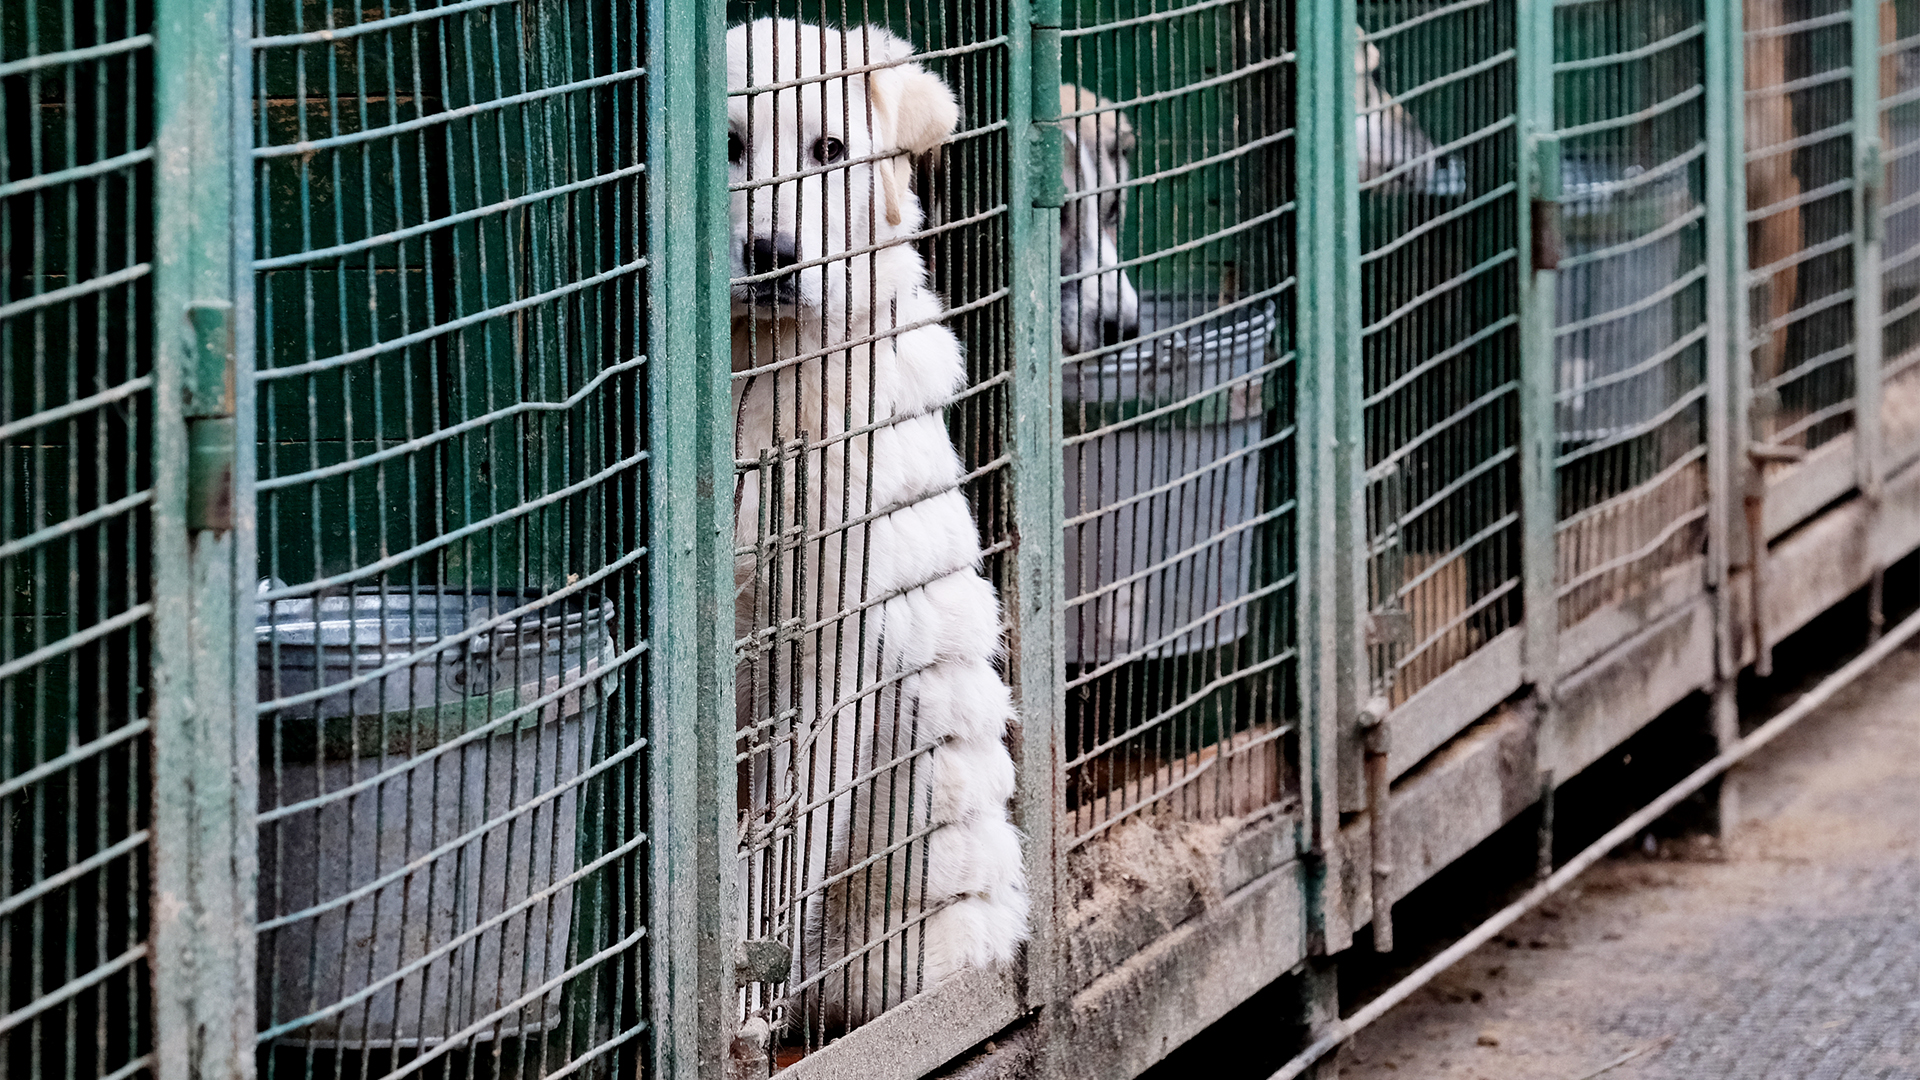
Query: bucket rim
(289, 624)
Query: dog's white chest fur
(871, 710)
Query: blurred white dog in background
(1096, 308)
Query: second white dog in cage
(875, 783)
(1098, 304)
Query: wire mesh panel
(1434, 85)
(1800, 193)
(76, 415)
(868, 140)
(1630, 352)
(1900, 233)
(1176, 297)
(450, 280)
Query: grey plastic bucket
(437, 764)
(1604, 205)
(1158, 462)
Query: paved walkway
(1792, 954)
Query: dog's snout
(764, 256)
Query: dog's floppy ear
(1366, 59)
(916, 105)
(913, 110)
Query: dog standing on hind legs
(874, 782)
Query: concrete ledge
(1184, 869)
(1172, 990)
(1599, 707)
(1458, 697)
(1797, 493)
(1819, 564)
(922, 1034)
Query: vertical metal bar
(693, 907)
(1331, 501)
(1035, 588)
(1868, 447)
(1723, 167)
(204, 758)
(1747, 531)
(1726, 356)
(1539, 218)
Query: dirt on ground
(1789, 950)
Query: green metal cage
(1372, 413)
(450, 287)
(76, 557)
(1631, 335)
(1440, 271)
(1802, 143)
(1898, 78)
(1179, 429)
(835, 770)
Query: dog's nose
(765, 256)
(1114, 331)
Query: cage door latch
(208, 408)
(1378, 735)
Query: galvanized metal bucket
(418, 825)
(1162, 469)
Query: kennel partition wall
(366, 552)
(77, 598)
(1179, 432)
(449, 281)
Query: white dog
(1095, 308)
(875, 782)
(1098, 302)
(1390, 138)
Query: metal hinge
(208, 407)
(1872, 172)
(1546, 202)
(1049, 142)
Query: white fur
(1389, 136)
(928, 627)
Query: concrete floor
(1790, 951)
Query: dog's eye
(827, 150)
(736, 148)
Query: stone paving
(1790, 953)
